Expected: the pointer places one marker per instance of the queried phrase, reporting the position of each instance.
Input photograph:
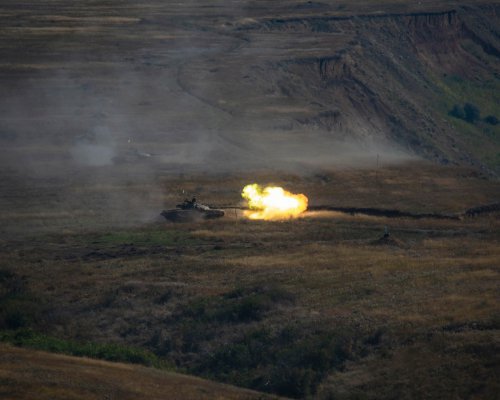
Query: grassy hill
(28, 374)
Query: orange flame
(272, 203)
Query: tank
(191, 210)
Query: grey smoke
(96, 133)
(95, 151)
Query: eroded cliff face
(379, 78)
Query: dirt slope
(375, 80)
(247, 83)
(28, 374)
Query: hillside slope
(248, 83)
(385, 80)
(29, 374)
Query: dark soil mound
(388, 240)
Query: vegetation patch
(161, 237)
(238, 306)
(473, 108)
(291, 362)
(230, 338)
(110, 352)
(203, 319)
(18, 307)
(471, 114)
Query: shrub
(11, 284)
(250, 308)
(472, 113)
(491, 119)
(291, 362)
(457, 112)
(15, 319)
(18, 308)
(237, 306)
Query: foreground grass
(315, 307)
(28, 374)
(291, 308)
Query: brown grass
(28, 374)
(131, 285)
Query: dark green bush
(11, 284)
(491, 119)
(469, 113)
(18, 308)
(245, 309)
(457, 112)
(14, 319)
(472, 113)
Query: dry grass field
(319, 306)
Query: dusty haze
(116, 99)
